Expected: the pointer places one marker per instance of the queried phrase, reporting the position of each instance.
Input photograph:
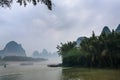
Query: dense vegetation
(97, 51)
(7, 3)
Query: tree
(7, 3)
(97, 51)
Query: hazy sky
(35, 27)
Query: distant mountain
(44, 54)
(79, 40)
(106, 30)
(13, 49)
(36, 54)
(118, 28)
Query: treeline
(97, 51)
(20, 58)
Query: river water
(40, 71)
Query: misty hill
(44, 54)
(36, 54)
(118, 28)
(106, 30)
(79, 40)
(13, 49)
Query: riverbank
(55, 65)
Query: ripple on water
(11, 77)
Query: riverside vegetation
(101, 51)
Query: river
(40, 71)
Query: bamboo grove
(96, 51)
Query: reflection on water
(11, 77)
(90, 74)
(40, 71)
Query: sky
(36, 27)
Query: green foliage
(7, 3)
(63, 49)
(97, 51)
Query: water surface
(40, 71)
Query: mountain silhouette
(13, 49)
(118, 28)
(106, 30)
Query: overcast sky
(35, 27)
